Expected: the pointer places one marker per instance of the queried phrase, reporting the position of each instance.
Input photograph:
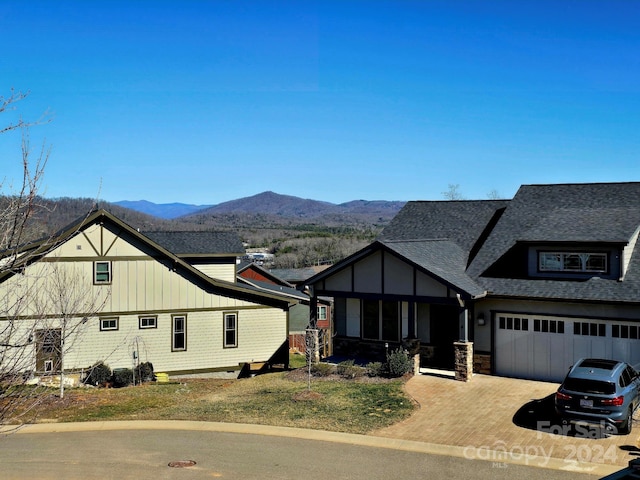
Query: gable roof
(33, 252)
(197, 243)
(245, 265)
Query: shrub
(144, 372)
(122, 377)
(321, 369)
(398, 363)
(99, 374)
(347, 369)
(376, 369)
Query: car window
(632, 373)
(589, 386)
(625, 379)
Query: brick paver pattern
(479, 415)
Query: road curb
(500, 458)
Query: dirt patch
(302, 375)
(307, 396)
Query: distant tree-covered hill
(299, 232)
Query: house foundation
(463, 360)
(482, 363)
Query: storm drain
(182, 463)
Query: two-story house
(100, 290)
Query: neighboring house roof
(297, 275)
(193, 244)
(33, 252)
(279, 289)
(244, 267)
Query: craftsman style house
(102, 291)
(520, 287)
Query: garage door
(543, 347)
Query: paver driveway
(494, 416)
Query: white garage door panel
(544, 348)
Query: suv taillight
(562, 396)
(616, 402)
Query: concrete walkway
(498, 418)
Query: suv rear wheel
(626, 427)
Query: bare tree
(493, 194)
(453, 193)
(35, 295)
(64, 306)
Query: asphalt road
(146, 454)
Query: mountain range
(271, 204)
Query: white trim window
(178, 333)
(102, 273)
(230, 330)
(147, 321)
(322, 312)
(107, 324)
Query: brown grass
(281, 399)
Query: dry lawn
(282, 399)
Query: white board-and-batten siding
(142, 285)
(222, 271)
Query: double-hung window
(101, 273)
(230, 330)
(322, 312)
(179, 333)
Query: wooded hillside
(298, 238)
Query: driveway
(499, 419)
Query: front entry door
(48, 350)
(444, 332)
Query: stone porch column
(463, 360)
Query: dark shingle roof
(579, 213)
(601, 225)
(461, 222)
(567, 212)
(279, 289)
(198, 243)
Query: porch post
(464, 348)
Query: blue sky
(208, 101)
